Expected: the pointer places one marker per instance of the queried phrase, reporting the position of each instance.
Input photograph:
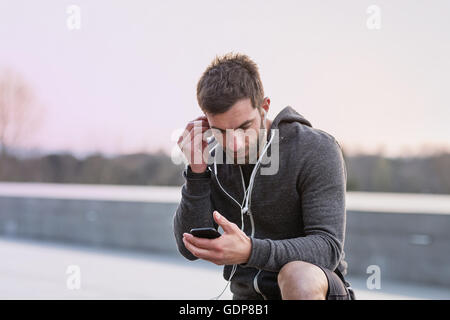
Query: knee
(299, 280)
(288, 272)
(293, 274)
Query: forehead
(241, 111)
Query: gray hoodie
(298, 213)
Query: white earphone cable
(247, 195)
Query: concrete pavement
(38, 270)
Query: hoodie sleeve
(195, 208)
(321, 186)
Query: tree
(19, 114)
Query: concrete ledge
(131, 225)
(407, 236)
(356, 201)
(407, 247)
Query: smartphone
(208, 233)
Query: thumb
(226, 225)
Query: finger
(187, 131)
(200, 121)
(196, 251)
(197, 122)
(190, 126)
(189, 136)
(193, 128)
(192, 141)
(226, 225)
(208, 244)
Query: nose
(237, 142)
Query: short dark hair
(227, 79)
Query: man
(283, 231)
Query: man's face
(241, 142)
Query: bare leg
(299, 280)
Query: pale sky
(126, 80)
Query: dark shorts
(338, 287)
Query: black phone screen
(208, 233)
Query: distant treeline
(131, 169)
(430, 174)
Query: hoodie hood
(287, 115)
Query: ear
(266, 104)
